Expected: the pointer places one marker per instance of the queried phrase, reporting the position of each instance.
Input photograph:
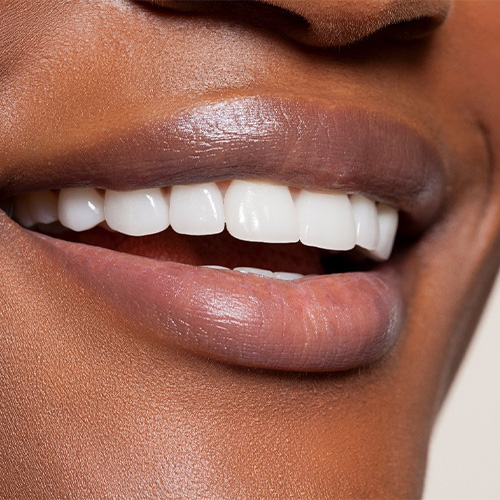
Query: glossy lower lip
(327, 323)
(317, 324)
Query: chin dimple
(250, 211)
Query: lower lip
(318, 324)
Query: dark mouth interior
(223, 250)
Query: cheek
(453, 269)
(90, 69)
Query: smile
(244, 195)
(252, 211)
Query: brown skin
(88, 407)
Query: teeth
(254, 270)
(366, 221)
(326, 220)
(81, 208)
(258, 211)
(136, 213)
(268, 274)
(251, 211)
(387, 227)
(42, 207)
(262, 272)
(287, 276)
(197, 209)
(22, 211)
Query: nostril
(323, 23)
(412, 30)
(264, 15)
(343, 22)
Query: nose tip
(328, 23)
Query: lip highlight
(324, 323)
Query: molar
(22, 211)
(42, 207)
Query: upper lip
(290, 141)
(347, 320)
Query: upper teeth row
(251, 211)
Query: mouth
(256, 231)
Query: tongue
(220, 249)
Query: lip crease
(324, 323)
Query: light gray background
(464, 461)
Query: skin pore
(94, 405)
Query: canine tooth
(42, 206)
(326, 220)
(22, 212)
(254, 270)
(196, 209)
(387, 227)
(259, 211)
(136, 213)
(218, 267)
(366, 221)
(287, 276)
(80, 208)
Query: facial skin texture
(92, 408)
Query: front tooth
(326, 220)
(254, 270)
(42, 206)
(387, 227)
(196, 209)
(136, 213)
(366, 220)
(259, 211)
(80, 208)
